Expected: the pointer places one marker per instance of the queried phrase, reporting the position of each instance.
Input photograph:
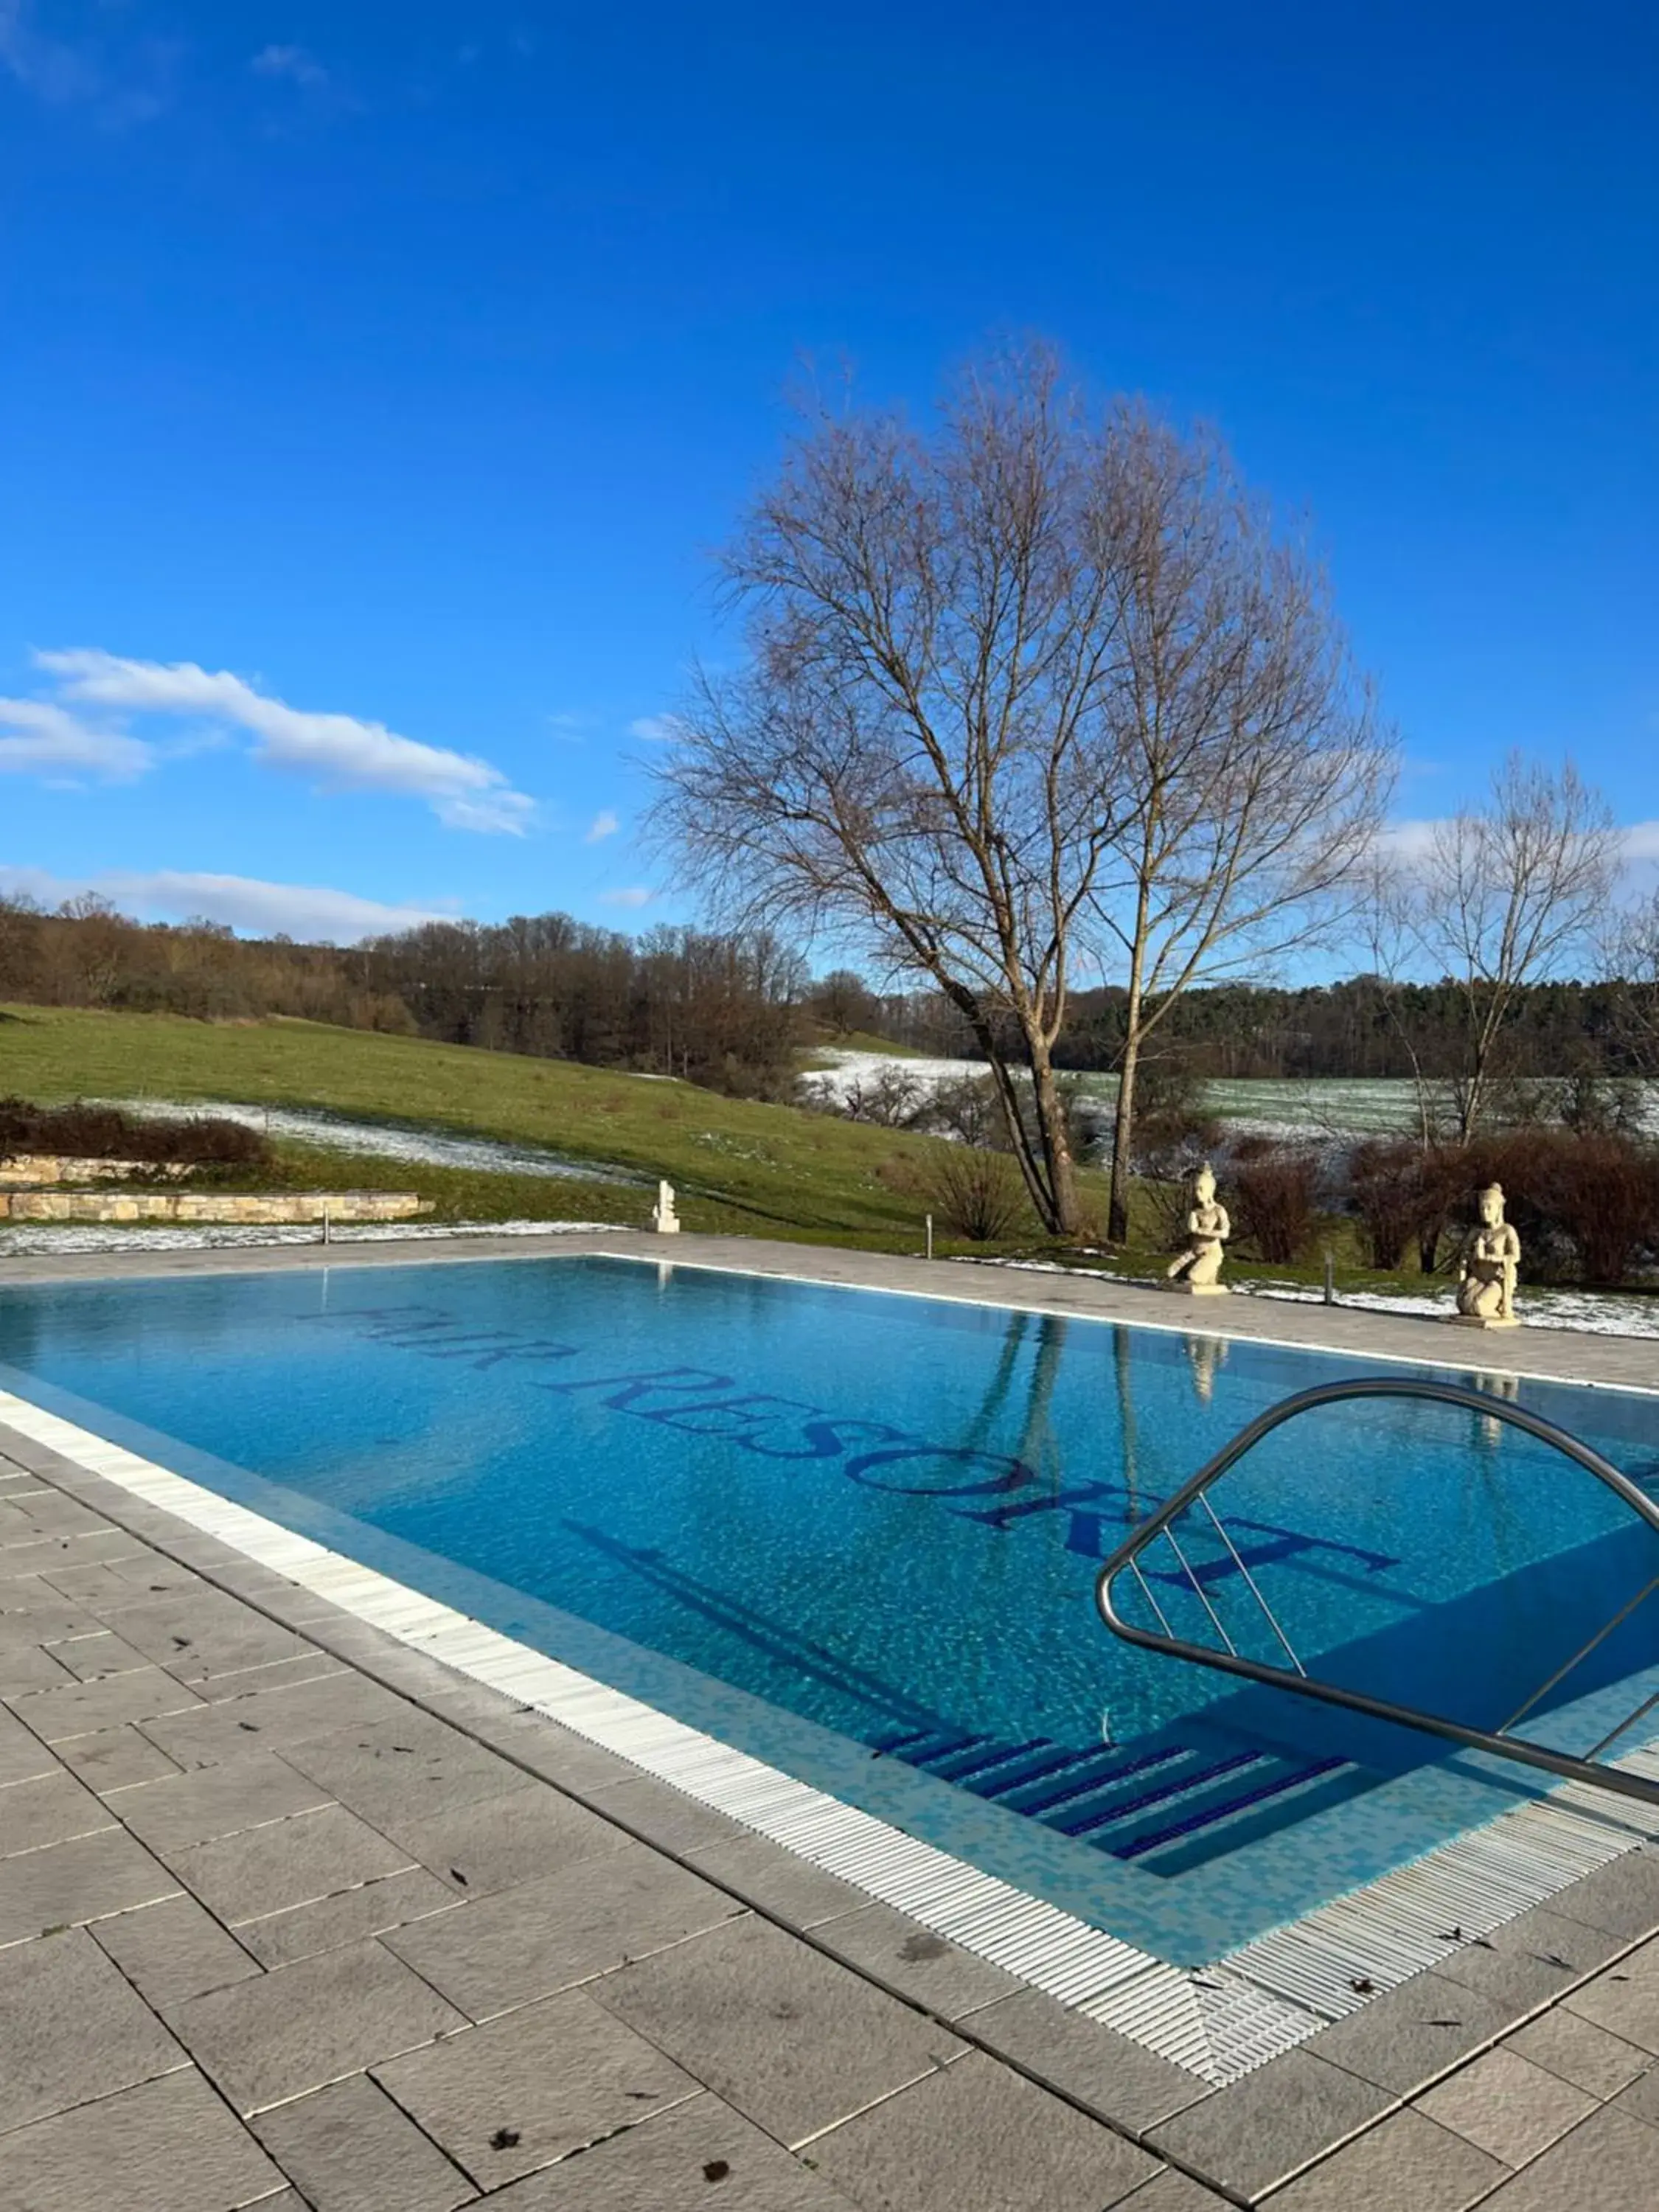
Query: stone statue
(1487, 1268)
(1198, 1269)
(663, 1219)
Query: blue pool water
(857, 1535)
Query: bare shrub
(888, 1096)
(1273, 1204)
(967, 1110)
(1587, 1205)
(977, 1194)
(89, 1132)
(1394, 1197)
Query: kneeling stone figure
(1198, 1269)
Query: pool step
(1132, 1800)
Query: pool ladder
(1127, 1559)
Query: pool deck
(292, 1914)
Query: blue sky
(391, 369)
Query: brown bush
(1396, 1192)
(976, 1195)
(1583, 1206)
(1272, 1203)
(104, 1132)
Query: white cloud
(291, 62)
(603, 825)
(340, 751)
(309, 911)
(45, 67)
(636, 896)
(658, 729)
(1412, 840)
(37, 738)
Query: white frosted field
(426, 1147)
(1335, 1107)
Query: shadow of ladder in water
(1164, 1801)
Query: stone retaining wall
(209, 1206)
(34, 1168)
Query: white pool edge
(1219, 2021)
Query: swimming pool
(855, 1535)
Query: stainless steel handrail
(1231, 1661)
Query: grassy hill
(739, 1167)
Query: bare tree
(1631, 960)
(1502, 896)
(1253, 776)
(920, 757)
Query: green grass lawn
(740, 1167)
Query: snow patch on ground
(1596, 1313)
(1336, 1107)
(847, 1071)
(21, 1243)
(425, 1147)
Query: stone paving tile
(1170, 2191)
(1624, 2000)
(1608, 2165)
(765, 1875)
(96, 1585)
(49, 1810)
(71, 2029)
(795, 2041)
(1640, 2098)
(668, 1818)
(113, 1759)
(31, 1613)
(533, 2086)
(555, 1754)
(1401, 2040)
(922, 1966)
(351, 2149)
(495, 1842)
(284, 1864)
(75, 1882)
(274, 1674)
(1507, 2106)
(1622, 1897)
(201, 1631)
(174, 1950)
(22, 1755)
(1530, 1959)
(1580, 2053)
(51, 1512)
(274, 1720)
(1108, 2072)
(540, 1937)
(1406, 2164)
(397, 1763)
(210, 1802)
(979, 2135)
(273, 2038)
(30, 1666)
(396, 1900)
(151, 1573)
(171, 2142)
(77, 1708)
(46, 1552)
(89, 1658)
(671, 2164)
(1260, 2131)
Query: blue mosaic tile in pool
(856, 1534)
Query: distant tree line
(1364, 1025)
(729, 1011)
(719, 1010)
